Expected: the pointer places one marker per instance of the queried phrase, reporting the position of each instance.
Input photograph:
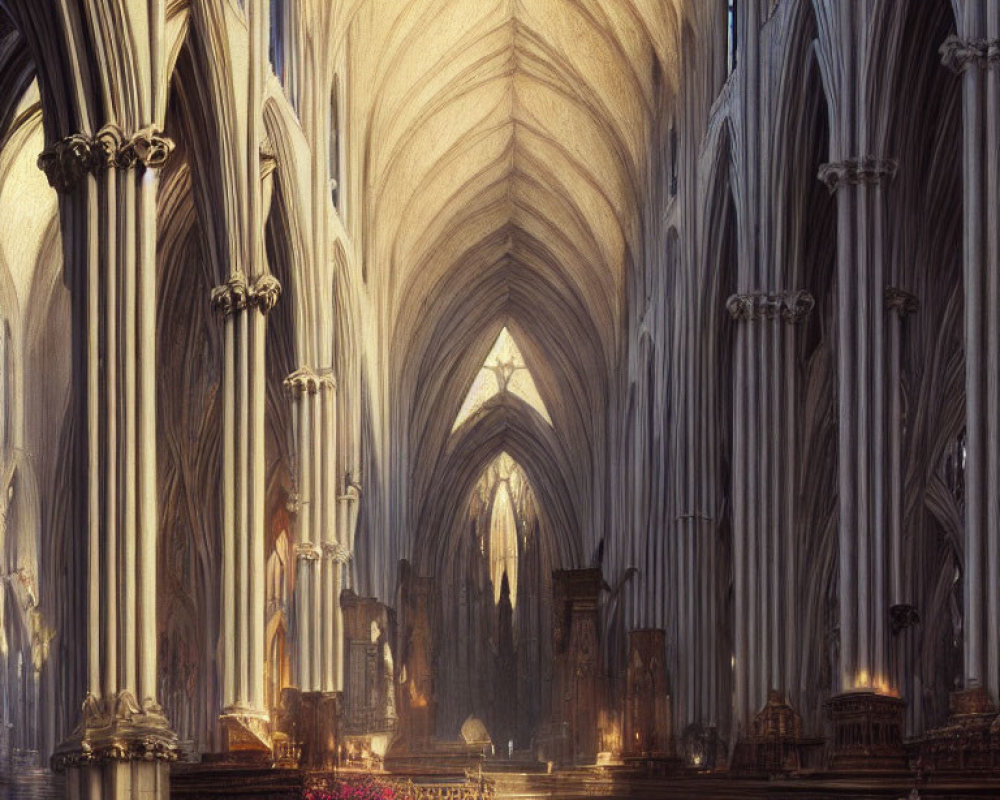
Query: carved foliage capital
(307, 551)
(265, 293)
(147, 146)
(304, 380)
(335, 551)
(959, 54)
(68, 161)
(792, 307)
(855, 171)
(902, 302)
(238, 294)
(72, 158)
(232, 296)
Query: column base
(867, 732)
(969, 741)
(119, 750)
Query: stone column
(109, 183)
(335, 558)
(244, 305)
(867, 715)
(900, 304)
(975, 57)
(316, 442)
(761, 557)
(863, 591)
(307, 556)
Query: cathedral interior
(486, 399)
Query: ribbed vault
(506, 145)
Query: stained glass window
(503, 371)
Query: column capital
(307, 551)
(854, 171)
(901, 301)
(232, 296)
(238, 294)
(305, 379)
(265, 293)
(959, 54)
(335, 551)
(67, 161)
(792, 306)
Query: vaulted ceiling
(506, 153)
(504, 131)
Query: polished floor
(581, 784)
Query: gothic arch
(506, 425)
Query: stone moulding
(121, 730)
(238, 294)
(792, 307)
(305, 379)
(69, 160)
(959, 54)
(856, 171)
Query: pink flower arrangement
(365, 787)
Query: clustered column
(859, 184)
(975, 55)
(244, 304)
(902, 613)
(763, 541)
(109, 183)
(321, 553)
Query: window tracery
(504, 370)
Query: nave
(466, 399)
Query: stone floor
(568, 785)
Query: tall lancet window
(276, 47)
(503, 511)
(731, 31)
(503, 371)
(334, 154)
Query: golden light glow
(503, 370)
(503, 505)
(879, 684)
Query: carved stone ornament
(307, 551)
(796, 306)
(232, 296)
(71, 159)
(147, 146)
(792, 307)
(265, 293)
(959, 54)
(304, 379)
(68, 161)
(854, 171)
(108, 145)
(119, 730)
(335, 551)
(741, 306)
(902, 302)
